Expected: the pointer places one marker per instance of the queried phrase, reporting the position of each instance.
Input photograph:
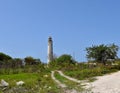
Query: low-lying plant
(88, 72)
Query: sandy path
(106, 84)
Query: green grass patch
(89, 73)
(34, 82)
(28, 78)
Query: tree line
(7, 61)
(96, 53)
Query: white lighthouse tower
(50, 49)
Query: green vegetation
(102, 53)
(35, 82)
(26, 77)
(64, 61)
(37, 75)
(31, 61)
(90, 71)
(4, 57)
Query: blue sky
(25, 26)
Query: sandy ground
(106, 84)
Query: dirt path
(106, 84)
(63, 86)
(57, 81)
(69, 78)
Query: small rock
(46, 76)
(45, 86)
(20, 83)
(49, 87)
(4, 83)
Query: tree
(4, 57)
(31, 61)
(17, 62)
(65, 58)
(102, 53)
(65, 61)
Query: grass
(29, 78)
(90, 72)
(34, 83)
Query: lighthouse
(50, 49)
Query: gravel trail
(106, 84)
(109, 83)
